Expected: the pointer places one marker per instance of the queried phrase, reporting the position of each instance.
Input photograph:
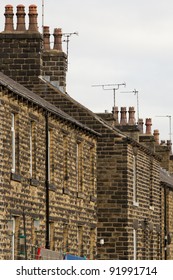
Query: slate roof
(21, 91)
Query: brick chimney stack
(20, 48)
(33, 26)
(9, 26)
(24, 58)
(58, 39)
(131, 116)
(148, 124)
(20, 18)
(156, 136)
(123, 120)
(46, 38)
(54, 59)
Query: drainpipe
(165, 223)
(47, 180)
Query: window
(51, 236)
(92, 243)
(92, 170)
(13, 143)
(50, 157)
(134, 244)
(135, 180)
(32, 150)
(65, 238)
(13, 225)
(65, 162)
(79, 166)
(13, 238)
(151, 184)
(80, 240)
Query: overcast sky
(119, 41)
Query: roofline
(37, 101)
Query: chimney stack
(148, 126)
(131, 116)
(9, 26)
(33, 26)
(156, 136)
(46, 36)
(123, 120)
(20, 18)
(58, 39)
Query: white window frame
(13, 237)
(13, 143)
(134, 244)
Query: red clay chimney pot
(33, 26)
(123, 120)
(46, 37)
(20, 18)
(58, 39)
(156, 136)
(9, 26)
(148, 124)
(115, 114)
(131, 116)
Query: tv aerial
(136, 92)
(67, 40)
(112, 87)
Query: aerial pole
(170, 129)
(42, 16)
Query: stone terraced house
(101, 175)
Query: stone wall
(23, 196)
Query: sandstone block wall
(23, 195)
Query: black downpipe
(47, 182)
(165, 224)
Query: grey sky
(119, 41)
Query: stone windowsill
(52, 187)
(16, 177)
(80, 195)
(34, 182)
(135, 203)
(93, 198)
(66, 191)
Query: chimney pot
(156, 136)
(123, 120)
(131, 116)
(46, 37)
(140, 125)
(20, 18)
(58, 39)
(9, 26)
(33, 26)
(148, 126)
(115, 114)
